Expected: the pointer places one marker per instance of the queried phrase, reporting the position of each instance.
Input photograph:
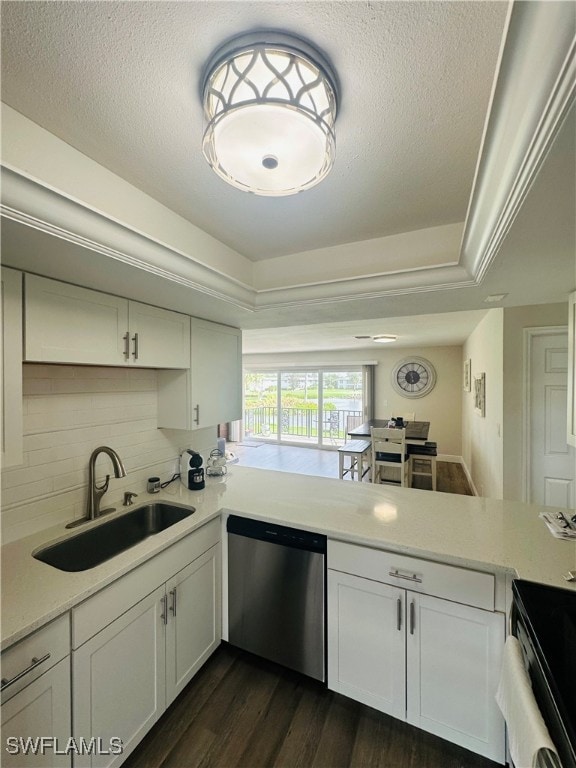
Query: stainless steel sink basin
(98, 544)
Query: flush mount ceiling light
(270, 103)
(384, 339)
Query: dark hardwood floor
(242, 712)
(450, 477)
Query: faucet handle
(128, 496)
(104, 487)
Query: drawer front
(447, 581)
(48, 646)
(103, 608)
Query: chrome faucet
(96, 492)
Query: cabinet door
(366, 642)
(210, 392)
(216, 371)
(40, 709)
(158, 338)
(194, 626)
(119, 680)
(453, 663)
(68, 324)
(571, 426)
(11, 354)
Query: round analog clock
(414, 377)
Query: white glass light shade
(269, 113)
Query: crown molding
(48, 210)
(41, 207)
(533, 92)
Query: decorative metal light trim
(270, 104)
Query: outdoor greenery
(299, 414)
(293, 400)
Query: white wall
(68, 412)
(442, 407)
(482, 438)
(516, 319)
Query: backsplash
(68, 412)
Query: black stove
(544, 621)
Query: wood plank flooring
(450, 477)
(243, 712)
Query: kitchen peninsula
(472, 532)
(466, 550)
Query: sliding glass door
(299, 406)
(302, 407)
(342, 405)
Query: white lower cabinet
(127, 674)
(453, 657)
(366, 649)
(36, 722)
(193, 630)
(428, 660)
(119, 681)
(36, 718)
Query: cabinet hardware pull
(135, 340)
(399, 614)
(197, 417)
(35, 663)
(126, 338)
(412, 617)
(398, 575)
(164, 614)
(173, 596)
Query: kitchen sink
(98, 544)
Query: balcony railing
(299, 424)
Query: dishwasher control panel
(281, 534)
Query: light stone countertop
(483, 534)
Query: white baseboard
(469, 477)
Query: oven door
(544, 621)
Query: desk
(416, 431)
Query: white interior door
(552, 465)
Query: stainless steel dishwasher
(276, 590)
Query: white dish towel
(527, 732)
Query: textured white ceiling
(417, 330)
(119, 81)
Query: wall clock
(414, 377)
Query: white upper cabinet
(158, 338)
(68, 324)
(11, 356)
(572, 369)
(216, 373)
(210, 392)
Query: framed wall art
(466, 375)
(480, 394)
